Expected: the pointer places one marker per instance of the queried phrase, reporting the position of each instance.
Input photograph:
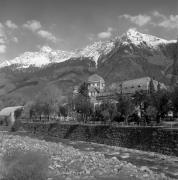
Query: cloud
(91, 37)
(47, 35)
(2, 31)
(158, 15)
(36, 27)
(168, 22)
(171, 22)
(2, 41)
(155, 18)
(32, 25)
(15, 39)
(2, 48)
(107, 34)
(140, 19)
(11, 25)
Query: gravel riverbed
(70, 163)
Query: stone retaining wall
(154, 139)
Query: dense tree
(140, 99)
(160, 101)
(47, 102)
(151, 113)
(174, 99)
(108, 110)
(81, 102)
(63, 111)
(83, 89)
(125, 107)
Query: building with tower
(96, 85)
(97, 90)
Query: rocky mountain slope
(129, 56)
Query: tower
(151, 86)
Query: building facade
(130, 87)
(146, 84)
(96, 85)
(97, 88)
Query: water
(156, 162)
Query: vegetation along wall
(154, 139)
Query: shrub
(24, 165)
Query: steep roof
(95, 78)
(8, 110)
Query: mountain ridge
(133, 55)
(47, 55)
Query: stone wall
(155, 139)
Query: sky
(28, 25)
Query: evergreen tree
(159, 87)
(151, 87)
(82, 102)
(83, 89)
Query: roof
(131, 86)
(137, 81)
(8, 110)
(95, 78)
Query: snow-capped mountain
(97, 49)
(137, 38)
(38, 59)
(46, 55)
(132, 55)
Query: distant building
(97, 91)
(10, 113)
(145, 84)
(96, 85)
(129, 87)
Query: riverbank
(71, 163)
(153, 139)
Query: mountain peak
(132, 31)
(137, 38)
(95, 51)
(46, 49)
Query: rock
(145, 169)
(72, 163)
